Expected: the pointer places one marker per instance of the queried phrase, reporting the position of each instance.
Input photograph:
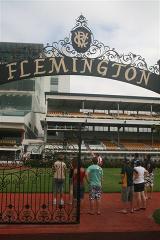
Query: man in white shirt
(139, 186)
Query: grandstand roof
(75, 101)
(13, 50)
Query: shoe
(137, 209)
(122, 211)
(54, 202)
(143, 208)
(91, 213)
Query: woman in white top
(139, 186)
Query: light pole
(45, 131)
(152, 134)
(78, 170)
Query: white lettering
(119, 68)
(132, 71)
(102, 69)
(74, 68)
(10, 70)
(145, 77)
(38, 66)
(87, 64)
(56, 66)
(22, 69)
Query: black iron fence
(38, 190)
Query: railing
(29, 193)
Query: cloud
(97, 85)
(126, 25)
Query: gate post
(78, 172)
(45, 131)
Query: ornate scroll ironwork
(96, 49)
(27, 190)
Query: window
(113, 129)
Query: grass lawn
(112, 179)
(40, 180)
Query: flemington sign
(80, 54)
(79, 66)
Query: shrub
(156, 215)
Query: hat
(138, 162)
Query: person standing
(59, 170)
(127, 186)
(82, 179)
(95, 178)
(149, 177)
(134, 160)
(139, 186)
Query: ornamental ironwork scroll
(81, 44)
(28, 191)
(81, 54)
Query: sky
(128, 26)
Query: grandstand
(114, 126)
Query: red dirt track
(108, 225)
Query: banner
(53, 66)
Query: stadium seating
(110, 145)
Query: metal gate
(27, 189)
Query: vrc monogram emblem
(81, 39)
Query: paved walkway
(108, 222)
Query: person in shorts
(59, 170)
(95, 177)
(149, 177)
(127, 186)
(139, 186)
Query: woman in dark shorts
(139, 186)
(149, 178)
